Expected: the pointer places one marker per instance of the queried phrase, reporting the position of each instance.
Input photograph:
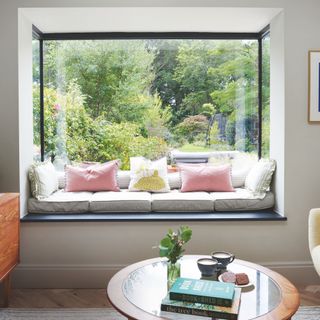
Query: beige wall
(85, 254)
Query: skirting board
(301, 273)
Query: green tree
(214, 134)
(237, 96)
(124, 140)
(164, 65)
(220, 73)
(70, 131)
(191, 127)
(156, 119)
(194, 60)
(111, 98)
(209, 111)
(114, 75)
(50, 115)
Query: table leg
(6, 290)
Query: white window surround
(160, 19)
(177, 19)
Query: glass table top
(145, 287)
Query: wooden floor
(96, 298)
(310, 295)
(58, 298)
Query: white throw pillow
(241, 165)
(44, 179)
(259, 178)
(238, 177)
(123, 177)
(174, 180)
(147, 175)
(61, 179)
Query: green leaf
(166, 242)
(183, 228)
(163, 251)
(186, 235)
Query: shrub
(192, 126)
(71, 133)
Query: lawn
(194, 148)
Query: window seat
(145, 206)
(136, 202)
(261, 215)
(241, 204)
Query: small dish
(236, 285)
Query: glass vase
(173, 272)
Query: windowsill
(265, 215)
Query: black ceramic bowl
(207, 266)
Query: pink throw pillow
(98, 177)
(206, 178)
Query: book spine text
(200, 299)
(197, 312)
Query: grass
(201, 148)
(194, 148)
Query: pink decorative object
(206, 178)
(98, 177)
(57, 107)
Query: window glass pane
(113, 99)
(36, 98)
(265, 96)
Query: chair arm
(315, 254)
(314, 228)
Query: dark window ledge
(265, 215)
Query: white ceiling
(162, 19)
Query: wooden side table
(9, 239)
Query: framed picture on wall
(314, 87)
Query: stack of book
(203, 298)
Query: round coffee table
(137, 290)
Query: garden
(114, 99)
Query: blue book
(202, 291)
(206, 310)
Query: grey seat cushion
(241, 200)
(61, 202)
(176, 201)
(173, 201)
(123, 201)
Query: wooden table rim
(286, 308)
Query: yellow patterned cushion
(147, 175)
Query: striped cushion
(259, 178)
(43, 179)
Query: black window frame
(259, 36)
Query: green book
(202, 291)
(206, 310)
